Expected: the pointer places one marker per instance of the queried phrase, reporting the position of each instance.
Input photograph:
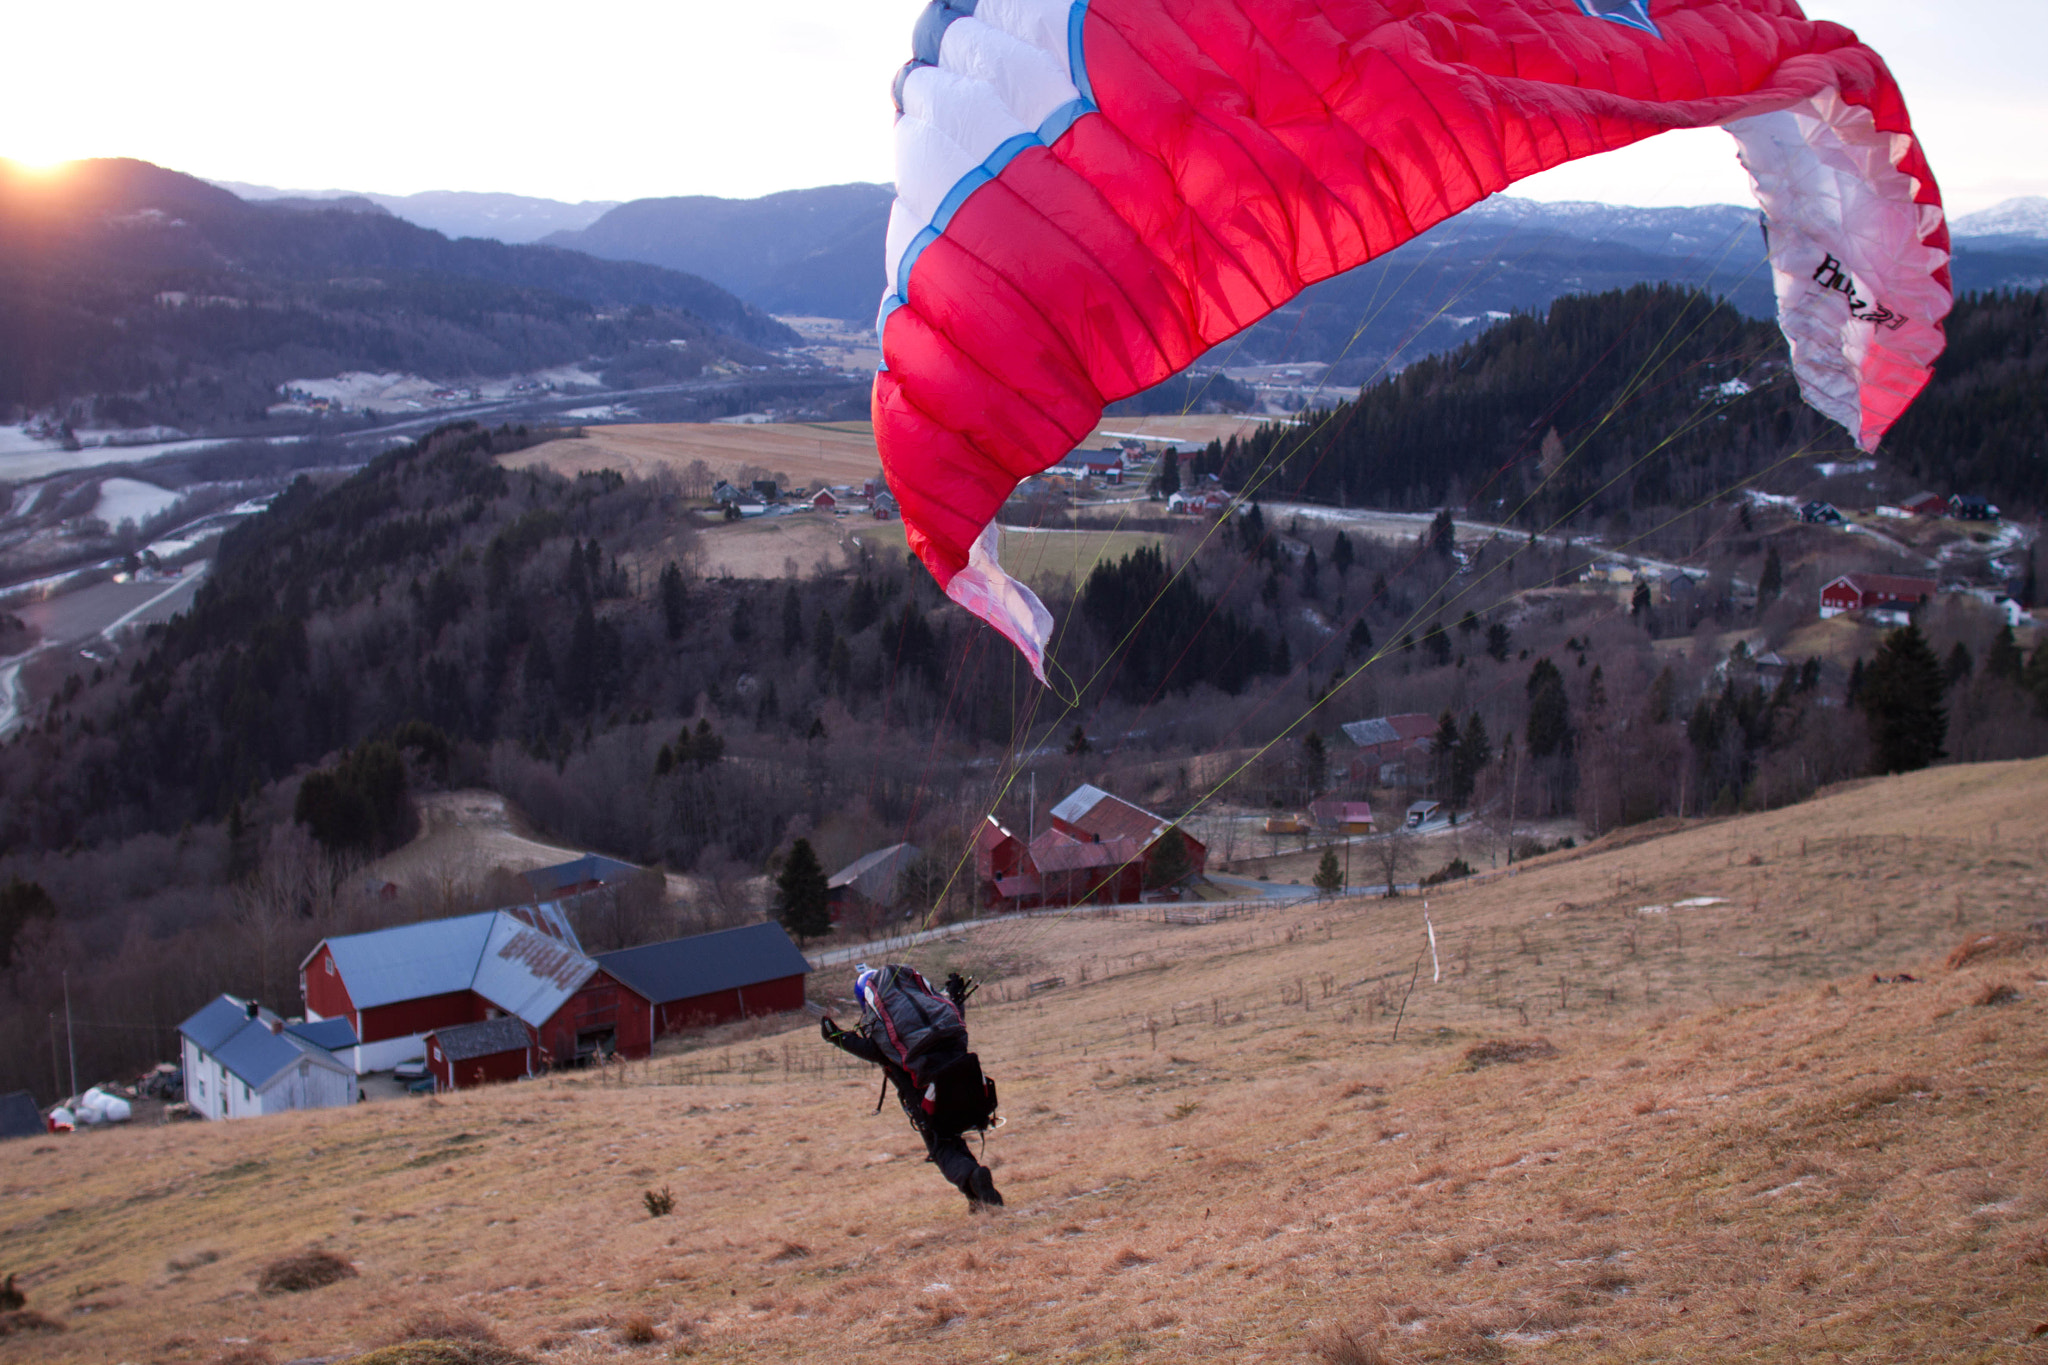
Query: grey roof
(216, 1022)
(1079, 802)
(19, 1116)
(247, 1048)
(875, 874)
(461, 1042)
(498, 954)
(411, 961)
(331, 1034)
(706, 963)
(591, 867)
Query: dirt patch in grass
(1507, 1051)
(24, 1320)
(314, 1269)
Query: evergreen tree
(1549, 729)
(1167, 481)
(2036, 677)
(1958, 666)
(1497, 642)
(863, 606)
(1639, 601)
(792, 621)
(1901, 698)
(1315, 763)
(1329, 878)
(1770, 585)
(1474, 752)
(1361, 639)
(2003, 660)
(822, 639)
(1443, 534)
(1436, 642)
(675, 605)
(1078, 745)
(1852, 691)
(1309, 573)
(801, 894)
(1169, 864)
(1468, 623)
(1341, 555)
(20, 903)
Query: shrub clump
(441, 1353)
(18, 1321)
(315, 1269)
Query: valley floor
(1714, 1136)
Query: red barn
(1392, 749)
(1074, 871)
(397, 985)
(1858, 591)
(712, 978)
(1091, 815)
(998, 855)
(463, 1055)
(1926, 504)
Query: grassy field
(1710, 1135)
(837, 452)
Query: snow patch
(131, 500)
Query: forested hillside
(129, 293)
(1612, 404)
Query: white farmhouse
(241, 1060)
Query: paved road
(75, 617)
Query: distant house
(1091, 815)
(725, 495)
(1820, 514)
(19, 1116)
(1392, 749)
(242, 1060)
(1926, 504)
(577, 877)
(465, 1055)
(1863, 591)
(396, 985)
(1677, 586)
(1199, 503)
(1107, 465)
(873, 488)
(871, 880)
(713, 978)
(2014, 613)
(1342, 817)
(1294, 823)
(883, 507)
(824, 501)
(1971, 509)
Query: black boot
(981, 1190)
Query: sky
(625, 99)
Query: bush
(313, 1269)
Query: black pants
(949, 1152)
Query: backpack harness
(923, 1035)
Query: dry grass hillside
(1620, 1127)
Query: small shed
(712, 978)
(463, 1055)
(1342, 817)
(825, 501)
(19, 1116)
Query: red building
(1926, 504)
(463, 1055)
(397, 985)
(712, 978)
(1859, 591)
(999, 856)
(1393, 751)
(1074, 871)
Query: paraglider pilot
(919, 1039)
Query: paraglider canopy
(1091, 194)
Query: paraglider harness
(923, 1034)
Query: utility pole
(1031, 815)
(70, 1039)
(56, 1070)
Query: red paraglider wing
(1091, 195)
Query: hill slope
(814, 252)
(140, 294)
(1743, 1147)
